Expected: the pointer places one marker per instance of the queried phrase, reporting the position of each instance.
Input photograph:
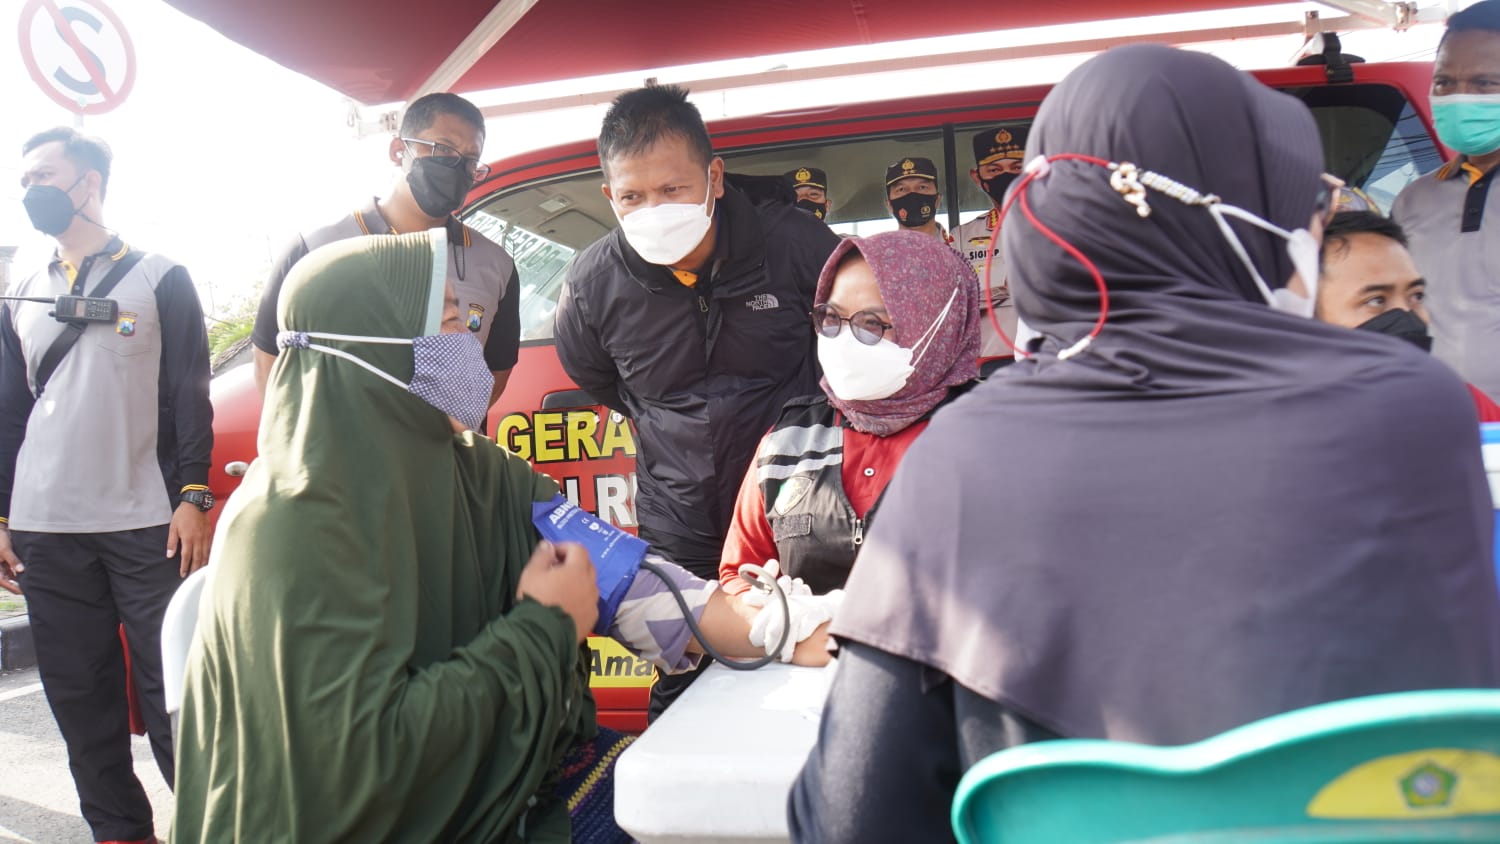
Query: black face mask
(818, 209)
(1399, 322)
(50, 208)
(995, 188)
(914, 210)
(438, 190)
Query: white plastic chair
(177, 629)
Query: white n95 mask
(665, 234)
(1301, 248)
(857, 372)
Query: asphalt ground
(37, 800)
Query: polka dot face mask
(449, 371)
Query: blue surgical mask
(449, 371)
(1468, 123)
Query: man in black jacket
(692, 317)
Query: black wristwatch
(200, 498)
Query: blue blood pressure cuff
(616, 554)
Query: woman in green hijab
(384, 651)
(366, 667)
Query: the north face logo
(762, 302)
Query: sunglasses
(867, 328)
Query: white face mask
(857, 372)
(1300, 247)
(665, 234)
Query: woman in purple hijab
(1212, 511)
(897, 316)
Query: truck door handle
(567, 399)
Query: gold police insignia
(908, 165)
(1002, 136)
(803, 175)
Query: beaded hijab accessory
(1132, 183)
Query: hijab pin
(1125, 178)
(1177, 190)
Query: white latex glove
(808, 612)
(792, 586)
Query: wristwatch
(200, 498)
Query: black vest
(800, 471)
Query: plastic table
(717, 766)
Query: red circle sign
(78, 52)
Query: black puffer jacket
(703, 371)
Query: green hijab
(363, 670)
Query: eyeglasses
(1328, 192)
(447, 156)
(865, 325)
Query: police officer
(811, 185)
(1451, 214)
(437, 151)
(103, 484)
(998, 158)
(911, 195)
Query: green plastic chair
(1408, 767)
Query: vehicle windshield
(1373, 139)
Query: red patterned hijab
(917, 275)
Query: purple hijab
(1218, 512)
(917, 275)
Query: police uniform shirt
(1452, 219)
(972, 240)
(89, 459)
(481, 272)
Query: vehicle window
(1372, 138)
(856, 174)
(543, 227)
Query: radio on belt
(85, 309)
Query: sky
(221, 154)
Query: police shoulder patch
(793, 490)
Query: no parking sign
(78, 52)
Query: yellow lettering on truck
(613, 667)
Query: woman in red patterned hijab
(897, 316)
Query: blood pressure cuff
(616, 554)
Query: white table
(718, 765)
